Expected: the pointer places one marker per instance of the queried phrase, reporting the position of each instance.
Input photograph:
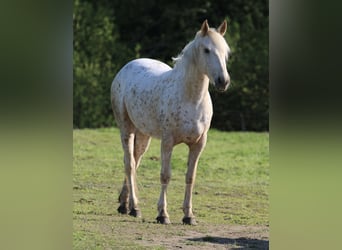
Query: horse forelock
(191, 48)
(219, 41)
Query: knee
(189, 179)
(129, 170)
(129, 165)
(165, 178)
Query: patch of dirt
(122, 231)
(213, 237)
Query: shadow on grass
(237, 243)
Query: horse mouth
(221, 84)
(221, 88)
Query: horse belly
(146, 120)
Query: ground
(123, 232)
(230, 199)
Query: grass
(231, 188)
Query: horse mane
(186, 50)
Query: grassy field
(230, 195)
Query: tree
(110, 33)
(98, 55)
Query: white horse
(150, 99)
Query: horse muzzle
(222, 84)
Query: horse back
(137, 90)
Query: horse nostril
(220, 81)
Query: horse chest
(189, 124)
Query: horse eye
(206, 50)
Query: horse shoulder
(189, 121)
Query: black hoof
(189, 221)
(163, 220)
(135, 213)
(123, 209)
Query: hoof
(189, 221)
(163, 220)
(123, 209)
(135, 213)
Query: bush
(98, 55)
(108, 34)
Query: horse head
(213, 53)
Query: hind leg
(135, 145)
(127, 140)
(124, 198)
(128, 199)
(141, 143)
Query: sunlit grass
(231, 185)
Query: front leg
(165, 176)
(194, 154)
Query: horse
(151, 99)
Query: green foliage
(245, 105)
(97, 55)
(110, 33)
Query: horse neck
(193, 84)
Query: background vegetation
(108, 34)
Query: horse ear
(204, 28)
(222, 28)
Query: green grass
(231, 187)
